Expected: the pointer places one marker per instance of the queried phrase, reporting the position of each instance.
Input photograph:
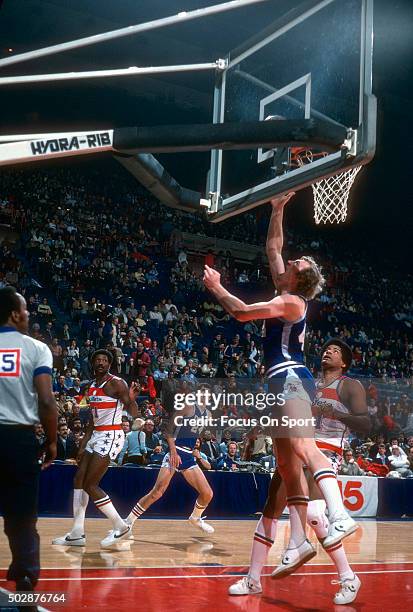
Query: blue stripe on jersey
(284, 341)
(42, 370)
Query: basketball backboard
(313, 62)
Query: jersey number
(10, 362)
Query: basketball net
(331, 193)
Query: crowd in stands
(103, 265)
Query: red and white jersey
(106, 410)
(330, 433)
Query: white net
(331, 193)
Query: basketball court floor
(172, 565)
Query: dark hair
(346, 352)
(107, 354)
(9, 302)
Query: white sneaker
(293, 558)
(348, 591)
(130, 536)
(68, 540)
(245, 586)
(116, 536)
(339, 528)
(201, 524)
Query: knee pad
(316, 513)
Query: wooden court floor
(172, 564)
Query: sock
(319, 524)
(338, 556)
(198, 510)
(105, 505)
(327, 482)
(297, 506)
(264, 537)
(135, 513)
(80, 502)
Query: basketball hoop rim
(297, 155)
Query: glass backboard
(314, 62)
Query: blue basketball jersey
(186, 435)
(283, 343)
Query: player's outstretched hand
(50, 454)
(281, 201)
(212, 277)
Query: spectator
(152, 440)
(44, 309)
(226, 439)
(399, 463)
(77, 427)
(148, 387)
(349, 467)
(131, 312)
(160, 373)
(381, 456)
(134, 448)
(66, 445)
(125, 426)
(118, 358)
(201, 458)
(259, 446)
(146, 341)
(184, 344)
(156, 316)
(56, 350)
(40, 435)
(60, 386)
(210, 447)
(139, 362)
(230, 459)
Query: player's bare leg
(76, 536)
(165, 476)
(91, 470)
(196, 478)
(316, 517)
(264, 537)
(299, 549)
(97, 468)
(304, 447)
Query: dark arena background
(117, 187)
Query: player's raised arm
(275, 236)
(286, 306)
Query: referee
(26, 397)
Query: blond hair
(310, 281)
(137, 424)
